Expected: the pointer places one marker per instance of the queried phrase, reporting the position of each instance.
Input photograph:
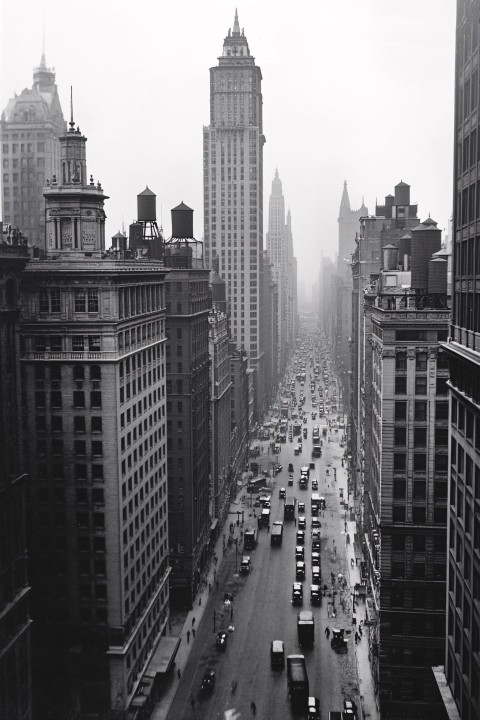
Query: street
(262, 609)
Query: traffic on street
(278, 636)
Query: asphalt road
(262, 609)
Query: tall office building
(187, 311)
(94, 405)
(15, 660)
(30, 129)
(233, 193)
(462, 665)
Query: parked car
(301, 507)
(302, 522)
(290, 467)
(299, 552)
(221, 641)
(300, 538)
(277, 469)
(297, 593)
(290, 479)
(315, 558)
(316, 574)
(316, 524)
(313, 708)
(300, 570)
(282, 493)
(314, 484)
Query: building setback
(94, 403)
(233, 195)
(15, 660)
(30, 129)
(405, 538)
(462, 662)
(187, 310)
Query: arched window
(78, 372)
(95, 372)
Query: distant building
(93, 368)
(30, 129)
(240, 410)
(348, 227)
(233, 195)
(15, 639)
(187, 312)
(462, 661)
(406, 514)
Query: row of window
(14, 148)
(421, 410)
(79, 399)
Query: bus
(256, 484)
(297, 679)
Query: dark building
(94, 403)
(30, 129)
(187, 310)
(15, 660)
(462, 662)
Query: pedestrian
(352, 562)
(209, 587)
(200, 601)
(268, 528)
(179, 673)
(295, 522)
(357, 638)
(193, 621)
(188, 636)
(327, 632)
(192, 702)
(253, 708)
(193, 633)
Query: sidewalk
(367, 690)
(181, 623)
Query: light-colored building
(94, 402)
(30, 128)
(233, 194)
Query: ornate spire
(236, 24)
(345, 201)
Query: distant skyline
(352, 91)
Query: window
(398, 571)
(78, 399)
(420, 436)
(94, 343)
(419, 462)
(421, 385)
(398, 543)
(56, 399)
(78, 342)
(441, 386)
(55, 301)
(419, 543)
(78, 372)
(399, 489)
(79, 423)
(418, 514)
(92, 300)
(399, 462)
(96, 424)
(96, 399)
(80, 301)
(441, 463)
(57, 423)
(420, 410)
(401, 385)
(398, 513)
(401, 361)
(400, 436)
(400, 410)
(95, 372)
(419, 489)
(421, 361)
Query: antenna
(43, 34)
(71, 123)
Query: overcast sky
(356, 90)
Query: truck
(284, 408)
(297, 427)
(297, 679)
(317, 449)
(305, 627)
(315, 503)
(276, 534)
(250, 539)
(289, 509)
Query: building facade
(233, 193)
(240, 407)
(15, 638)
(94, 403)
(187, 310)
(405, 538)
(462, 663)
(30, 129)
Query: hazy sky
(360, 90)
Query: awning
(214, 524)
(164, 655)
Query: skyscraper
(233, 192)
(30, 129)
(462, 665)
(94, 403)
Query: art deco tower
(233, 191)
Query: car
(208, 681)
(315, 523)
(297, 593)
(221, 641)
(301, 507)
(266, 504)
(228, 597)
(302, 522)
(277, 469)
(300, 537)
(299, 552)
(350, 708)
(290, 479)
(315, 594)
(314, 484)
(316, 574)
(300, 570)
(278, 522)
(315, 540)
(313, 708)
(290, 467)
(315, 558)
(282, 493)
(245, 565)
